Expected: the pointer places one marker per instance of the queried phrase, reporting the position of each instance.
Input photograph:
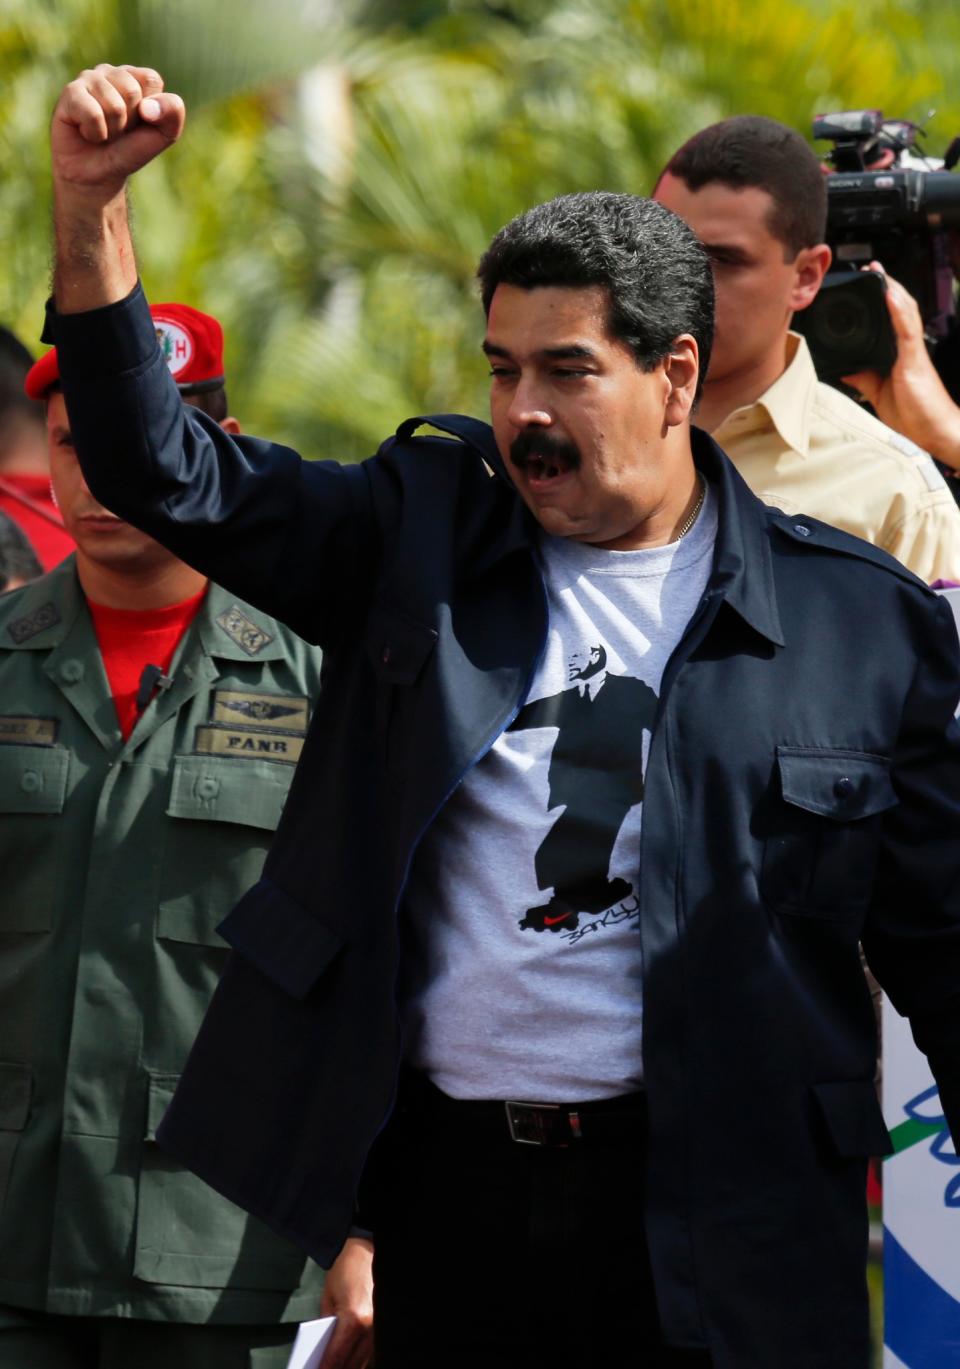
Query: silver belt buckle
(541, 1124)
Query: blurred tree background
(346, 161)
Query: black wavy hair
(656, 274)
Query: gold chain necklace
(689, 522)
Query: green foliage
(345, 163)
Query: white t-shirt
(523, 977)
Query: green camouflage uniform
(117, 861)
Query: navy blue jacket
(801, 795)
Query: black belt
(600, 1120)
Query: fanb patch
(241, 630)
(219, 739)
(235, 706)
(26, 731)
(47, 615)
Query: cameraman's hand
(912, 399)
(108, 123)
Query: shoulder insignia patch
(234, 705)
(22, 629)
(243, 632)
(904, 444)
(928, 469)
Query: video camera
(884, 203)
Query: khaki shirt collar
(786, 404)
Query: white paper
(311, 1343)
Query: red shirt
(37, 515)
(132, 638)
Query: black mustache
(534, 443)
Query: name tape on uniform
(220, 739)
(239, 706)
(28, 731)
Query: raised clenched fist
(110, 122)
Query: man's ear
(230, 425)
(681, 368)
(810, 266)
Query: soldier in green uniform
(149, 727)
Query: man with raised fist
(600, 1083)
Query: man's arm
(277, 531)
(912, 399)
(108, 123)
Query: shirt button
(208, 788)
(802, 529)
(31, 782)
(843, 787)
(72, 672)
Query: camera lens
(846, 323)
(847, 326)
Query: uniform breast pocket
(822, 845)
(33, 788)
(188, 1236)
(221, 816)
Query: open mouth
(539, 468)
(542, 459)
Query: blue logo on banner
(922, 1320)
(941, 1147)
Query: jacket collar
(743, 567)
(516, 528)
(743, 562)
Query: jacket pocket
(220, 819)
(820, 853)
(16, 1081)
(33, 788)
(852, 1117)
(188, 1236)
(398, 648)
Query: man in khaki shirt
(754, 193)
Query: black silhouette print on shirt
(596, 773)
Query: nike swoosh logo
(552, 921)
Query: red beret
(191, 342)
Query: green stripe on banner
(908, 1133)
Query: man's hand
(348, 1296)
(108, 123)
(912, 399)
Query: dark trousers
(495, 1253)
(44, 1340)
